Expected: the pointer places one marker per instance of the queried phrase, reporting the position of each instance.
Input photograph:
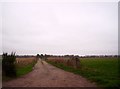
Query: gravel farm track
(46, 75)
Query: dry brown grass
(25, 61)
(73, 62)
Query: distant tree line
(24, 56)
(44, 56)
(70, 56)
(98, 56)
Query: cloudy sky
(82, 28)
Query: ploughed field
(103, 71)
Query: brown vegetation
(25, 61)
(68, 61)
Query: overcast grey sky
(60, 28)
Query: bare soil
(46, 75)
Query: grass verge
(24, 69)
(103, 71)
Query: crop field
(24, 61)
(103, 71)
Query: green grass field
(103, 71)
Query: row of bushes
(8, 65)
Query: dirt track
(46, 75)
